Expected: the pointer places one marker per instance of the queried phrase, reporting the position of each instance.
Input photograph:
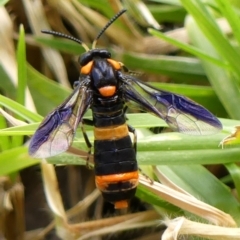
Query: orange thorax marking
(107, 91)
(87, 68)
(116, 65)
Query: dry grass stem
(38, 21)
(189, 203)
(184, 227)
(12, 209)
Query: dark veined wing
(179, 112)
(55, 134)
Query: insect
(106, 88)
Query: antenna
(66, 36)
(78, 40)
(106, 26)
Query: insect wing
(55, 134)
(179, 112)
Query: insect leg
(75, 84)
(133, 131)
(124, 111)
(88, 122)
(145, 175)
(87, 141)
(124, 68)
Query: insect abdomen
(115, 161)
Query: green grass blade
(188, 157)
(22, 78)
(173, 2)
(20, 130)
(176, 67)
(62, 45)
(234, 172)
(3, 2)
(5, 142)
(232, 17)
(223, 83)
(46, 93)
(22, 69)
(199, 182)
(13, 160)
(209, 27)
(147, 196)
(167, 13)
(6, 84)
(193, 50)
(101, 5)
(19, 109)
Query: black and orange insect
(106, 88)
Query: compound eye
(116, 65)
(87, 68)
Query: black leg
(88, 143)
(88, 122)
(133, 130)
(145, 175)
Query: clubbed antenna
(107, 25)
(66, 36)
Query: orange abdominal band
(121, 204)
(102, 182)
(111, 133)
